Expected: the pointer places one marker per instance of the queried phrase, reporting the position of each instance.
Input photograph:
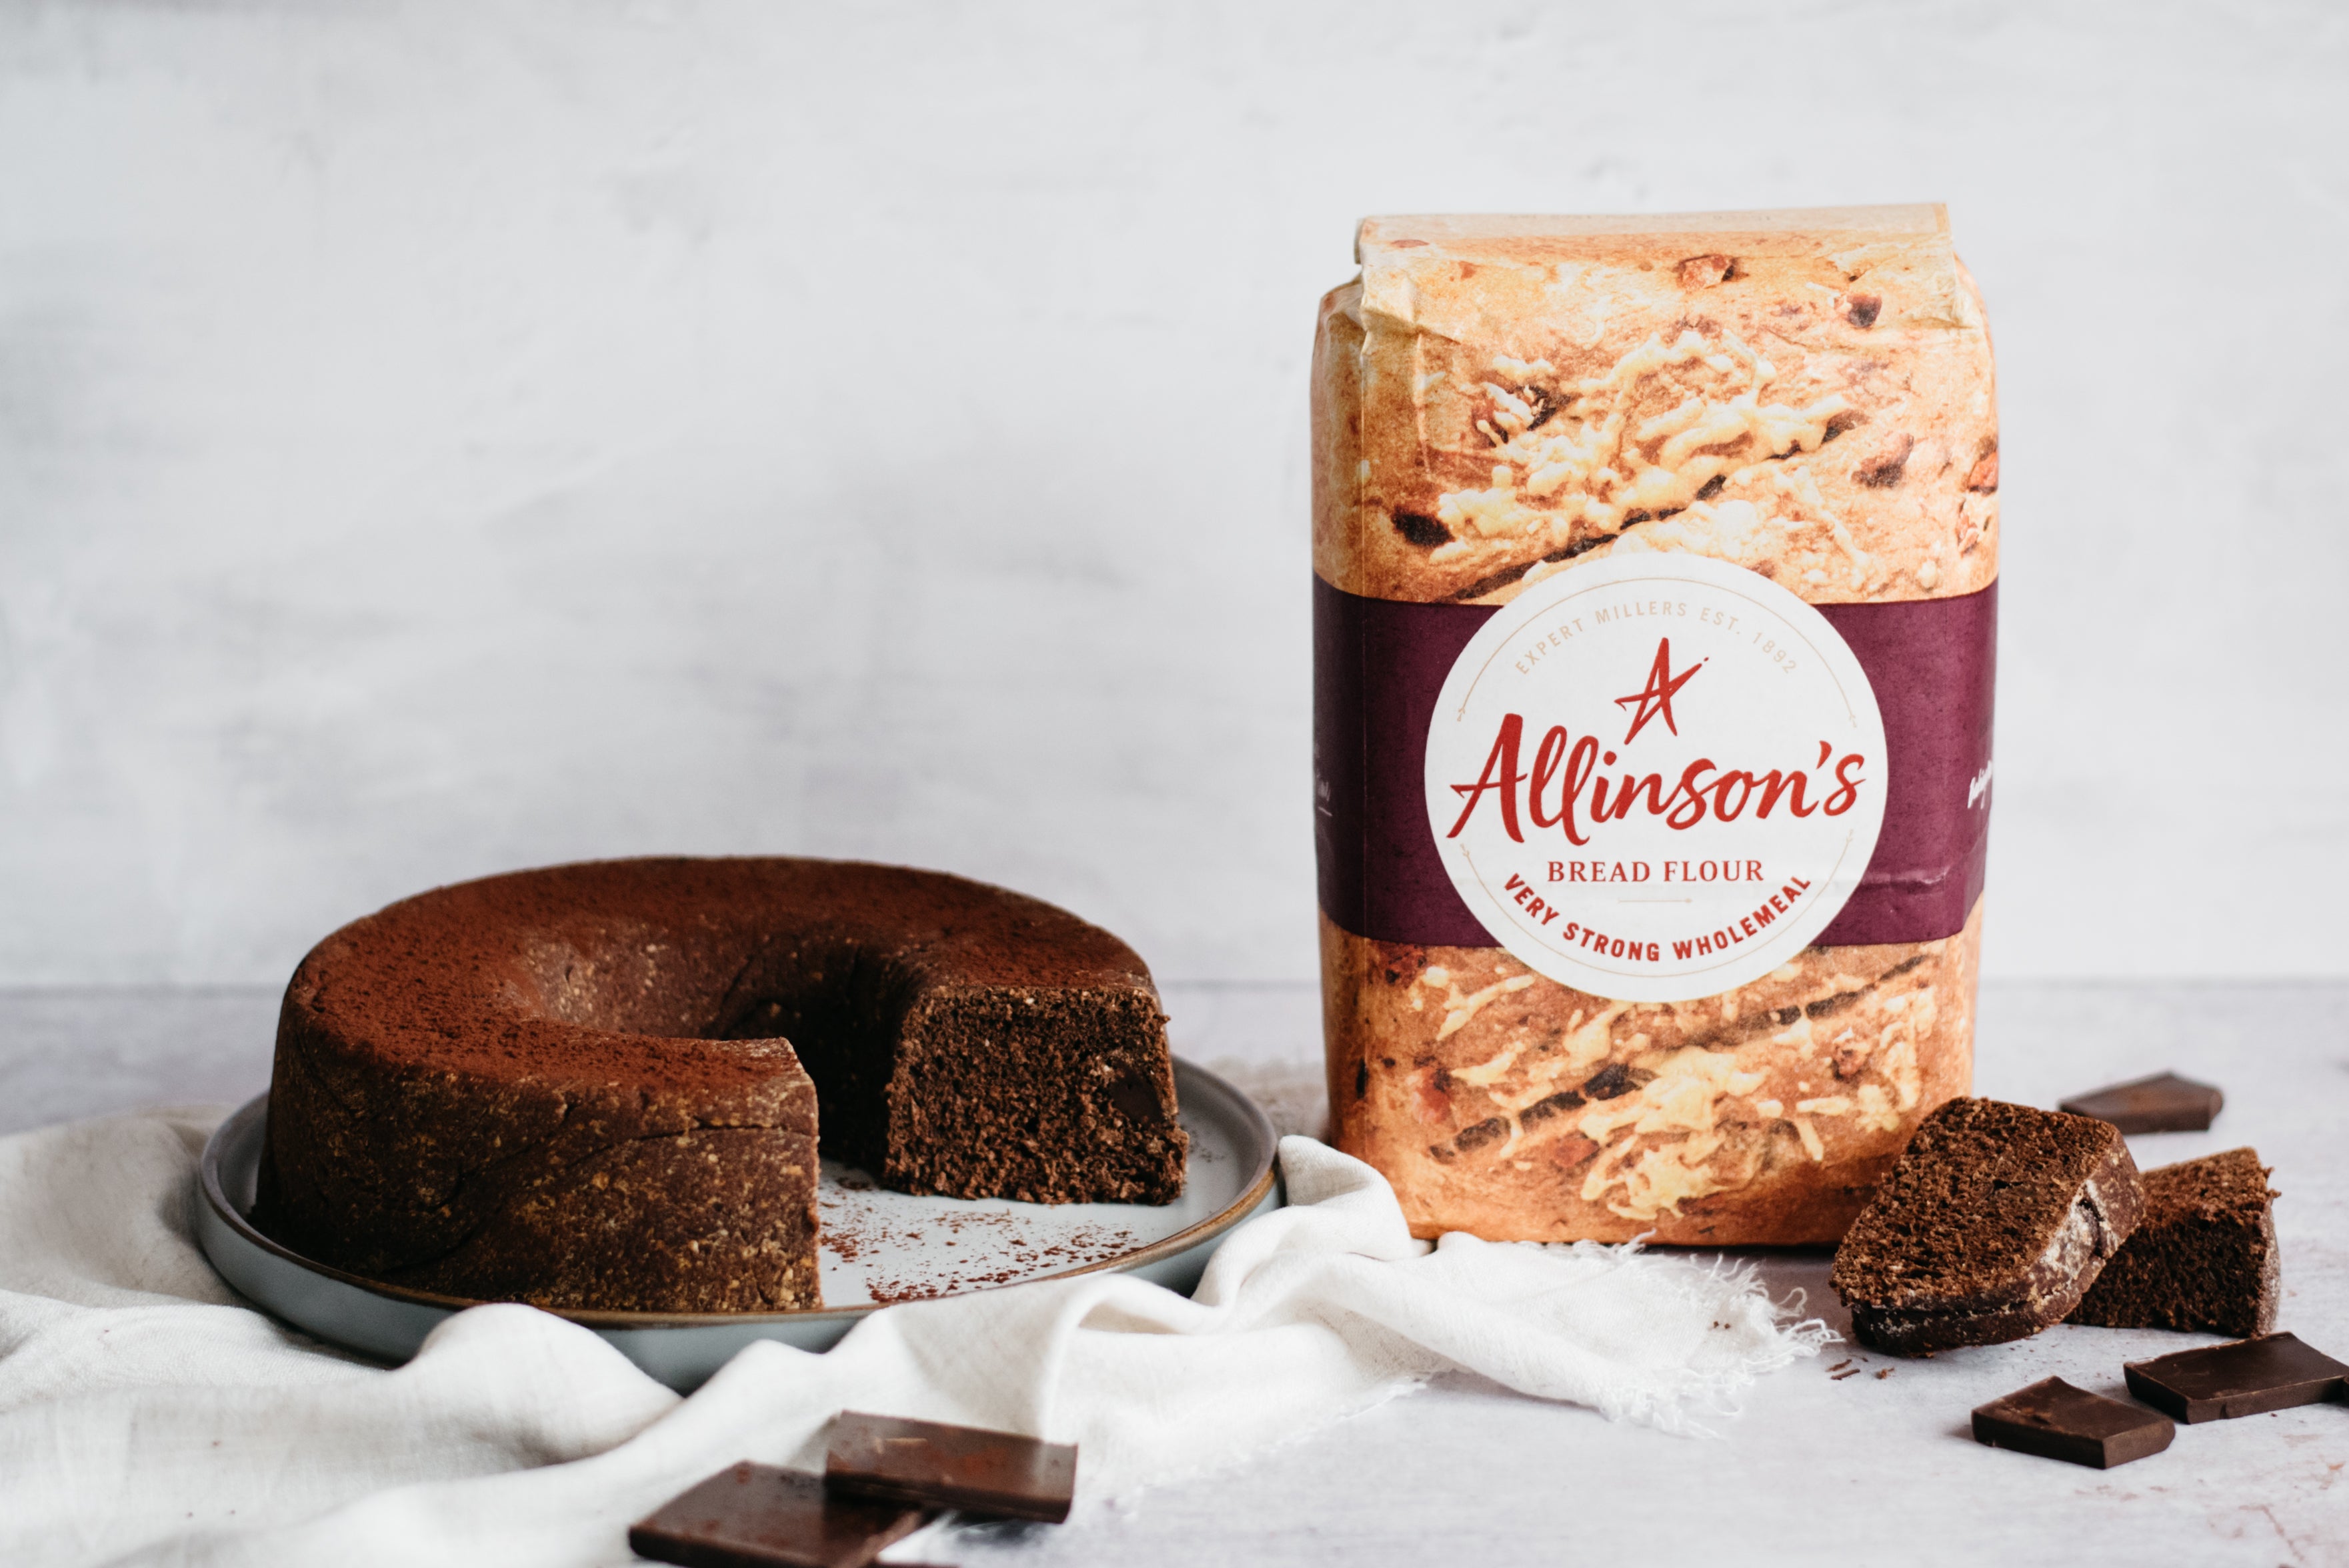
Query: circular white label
(1656, 777)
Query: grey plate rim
(1189, 1078)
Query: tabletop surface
(1855, 1455)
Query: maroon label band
(1379, 666)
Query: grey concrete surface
(1875, 1467)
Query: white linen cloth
(146, 1417)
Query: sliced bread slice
(2203, 1255)
(1993, 1223)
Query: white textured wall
(437, 437)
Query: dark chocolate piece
(2056, 1421)
(1992, 1224)
(757, 1516)
(2203, 1255)
(2163, 1103)
(967, 1468)
(2249, 1377)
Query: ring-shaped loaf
(600, 1086)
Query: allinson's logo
(1717, 837)
(1656, 696)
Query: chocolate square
(967, 1468)
(2163, 1103)
(2055, 1420)
(757, 1516)
(2249, 1377)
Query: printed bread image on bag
(1655, 607)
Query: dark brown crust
(1992, 1225)
(579, 1087)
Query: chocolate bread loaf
(603, 1086)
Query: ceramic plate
(878, 1247)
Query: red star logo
(1656, 697)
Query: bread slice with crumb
(1994, 1225)
(2202, 1258)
